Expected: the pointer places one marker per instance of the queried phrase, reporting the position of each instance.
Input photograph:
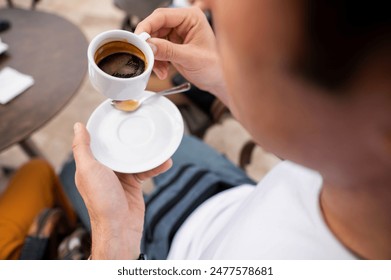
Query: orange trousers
(34, 187)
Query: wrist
(220, 91)
(115, 241)
(218, 86)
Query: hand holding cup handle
(184, 38)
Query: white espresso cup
(118, 88)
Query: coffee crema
(120, 59)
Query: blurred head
(310, 81)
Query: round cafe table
(54, 52)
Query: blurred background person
(33, 208)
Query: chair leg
(218, 110)
(125, 23)
(8, 170)
(246, 153)
(34, 4)
(30, 148)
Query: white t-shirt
(280, 218)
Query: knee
(38, 164)
(38, 167)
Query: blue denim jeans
(198, 172)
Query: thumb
(165, 50)
(81, 144)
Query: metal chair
(33, 4)
(136, 10)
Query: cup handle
(144, 36)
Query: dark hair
(340, 35)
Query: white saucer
(137, 141)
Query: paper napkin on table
(13, 83)
(3, 47)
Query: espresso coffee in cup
(120, 59)
(120, 64)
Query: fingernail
(153, 47)
(76, 127)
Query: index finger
(181, 19)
